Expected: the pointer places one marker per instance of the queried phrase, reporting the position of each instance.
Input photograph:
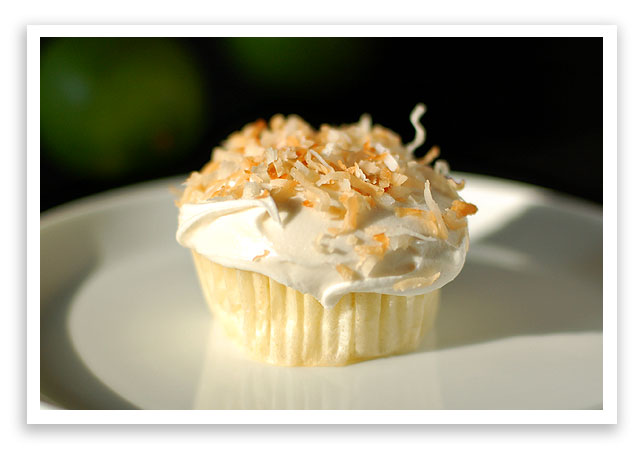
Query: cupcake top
(329, 211)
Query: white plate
(123, 324)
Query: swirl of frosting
(329, 212)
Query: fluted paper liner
(282, 326)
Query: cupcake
(324, 247)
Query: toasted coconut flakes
(441, 167)
(277, 121)
(413, 234)
(328, 149)
(382, 239)
(336, 212)
(427, 218)
(213, 191)
(213, 188)
(325, 179)
(280, 183)
(344, 184)
(380, 158)
(346, 273)
(390, 162)
(258, 257)
(435, 209)
(397, 179)
(367, 263)
(254, 149)
(254, 129)
(272, 171)
(264, 194)
(369, 167)
(463, 209)
(283, 189)
(400, 193)
(386, 174)
(193, 179)
(316, 166)
(363, 187)
(371, 230)
(300, 154)
(456, 186)
(430, 156)
(292, 141)
(251, 190)
(237, 193)
(415, 116)
(386, 201)
(312, 198)
(271, 155)
(322, 161)
(402, 212)
(380, 149)
(255, 178)
(331, 177)
(320, 197)
(341, 176)
(365, 123)
(364, 250)
(333, 231)
(352, 205)
(372, 170)
(431, 226)
(357, 171)
(416, 282)
(453, 220)
(368, 149)
(334, 135)
(401, 241)
(361, 235)
(210, 167)
(279, 168)
(300, 176)
(302, 168)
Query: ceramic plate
(123, 323)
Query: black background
(527, 109)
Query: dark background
(527, 109)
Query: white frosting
(234, 233)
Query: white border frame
(36, 415)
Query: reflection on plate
(123, 324)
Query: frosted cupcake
(324, 247)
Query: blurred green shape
(297, 63)
(113, 106)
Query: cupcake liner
(282, 326)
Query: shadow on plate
(541, 273)
(65, 381)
